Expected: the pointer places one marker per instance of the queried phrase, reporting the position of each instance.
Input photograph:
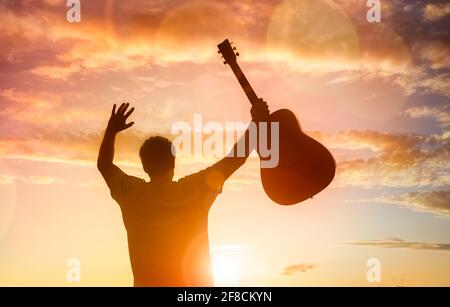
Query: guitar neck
(251, 95)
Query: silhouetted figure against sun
(166, 220)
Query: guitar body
(305, 166)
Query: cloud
(298, 268)
(169, 31)
(436, 11)
(6, 179)
(389, 160)
(66, 48)
(43, 109)
(440, 114)
(374, 159)
(436, 202)
(436, 52)
(399, 243)
(404, 34)
(70, 148)
(42, 49)
(435, 84)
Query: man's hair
(156, 155)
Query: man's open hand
(118, 120)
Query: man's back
(167, 227)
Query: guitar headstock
(228, 52)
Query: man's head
(157, 158)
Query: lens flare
(313, 31)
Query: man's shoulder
(124, 185)
(135, 179)
(192, 178)
(208, 179)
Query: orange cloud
(42, 109)
(436, 52)
(436, 11)
(298, 268)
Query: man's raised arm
(228, 165)
(116, 123)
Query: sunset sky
(376, 94)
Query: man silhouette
(166, 220)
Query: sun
(226, 270)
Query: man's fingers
(129, 113)
(260, 111)
(261, 100)
(113, 110)
(122, 108)
(125, 108)
(129, 125)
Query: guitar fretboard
(251, 95)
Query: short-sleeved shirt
(167, 227)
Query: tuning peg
(224, 63)
(234, 48)
(218, 51)
(237, 53)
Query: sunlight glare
(226, 270)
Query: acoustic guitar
(305, 167)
